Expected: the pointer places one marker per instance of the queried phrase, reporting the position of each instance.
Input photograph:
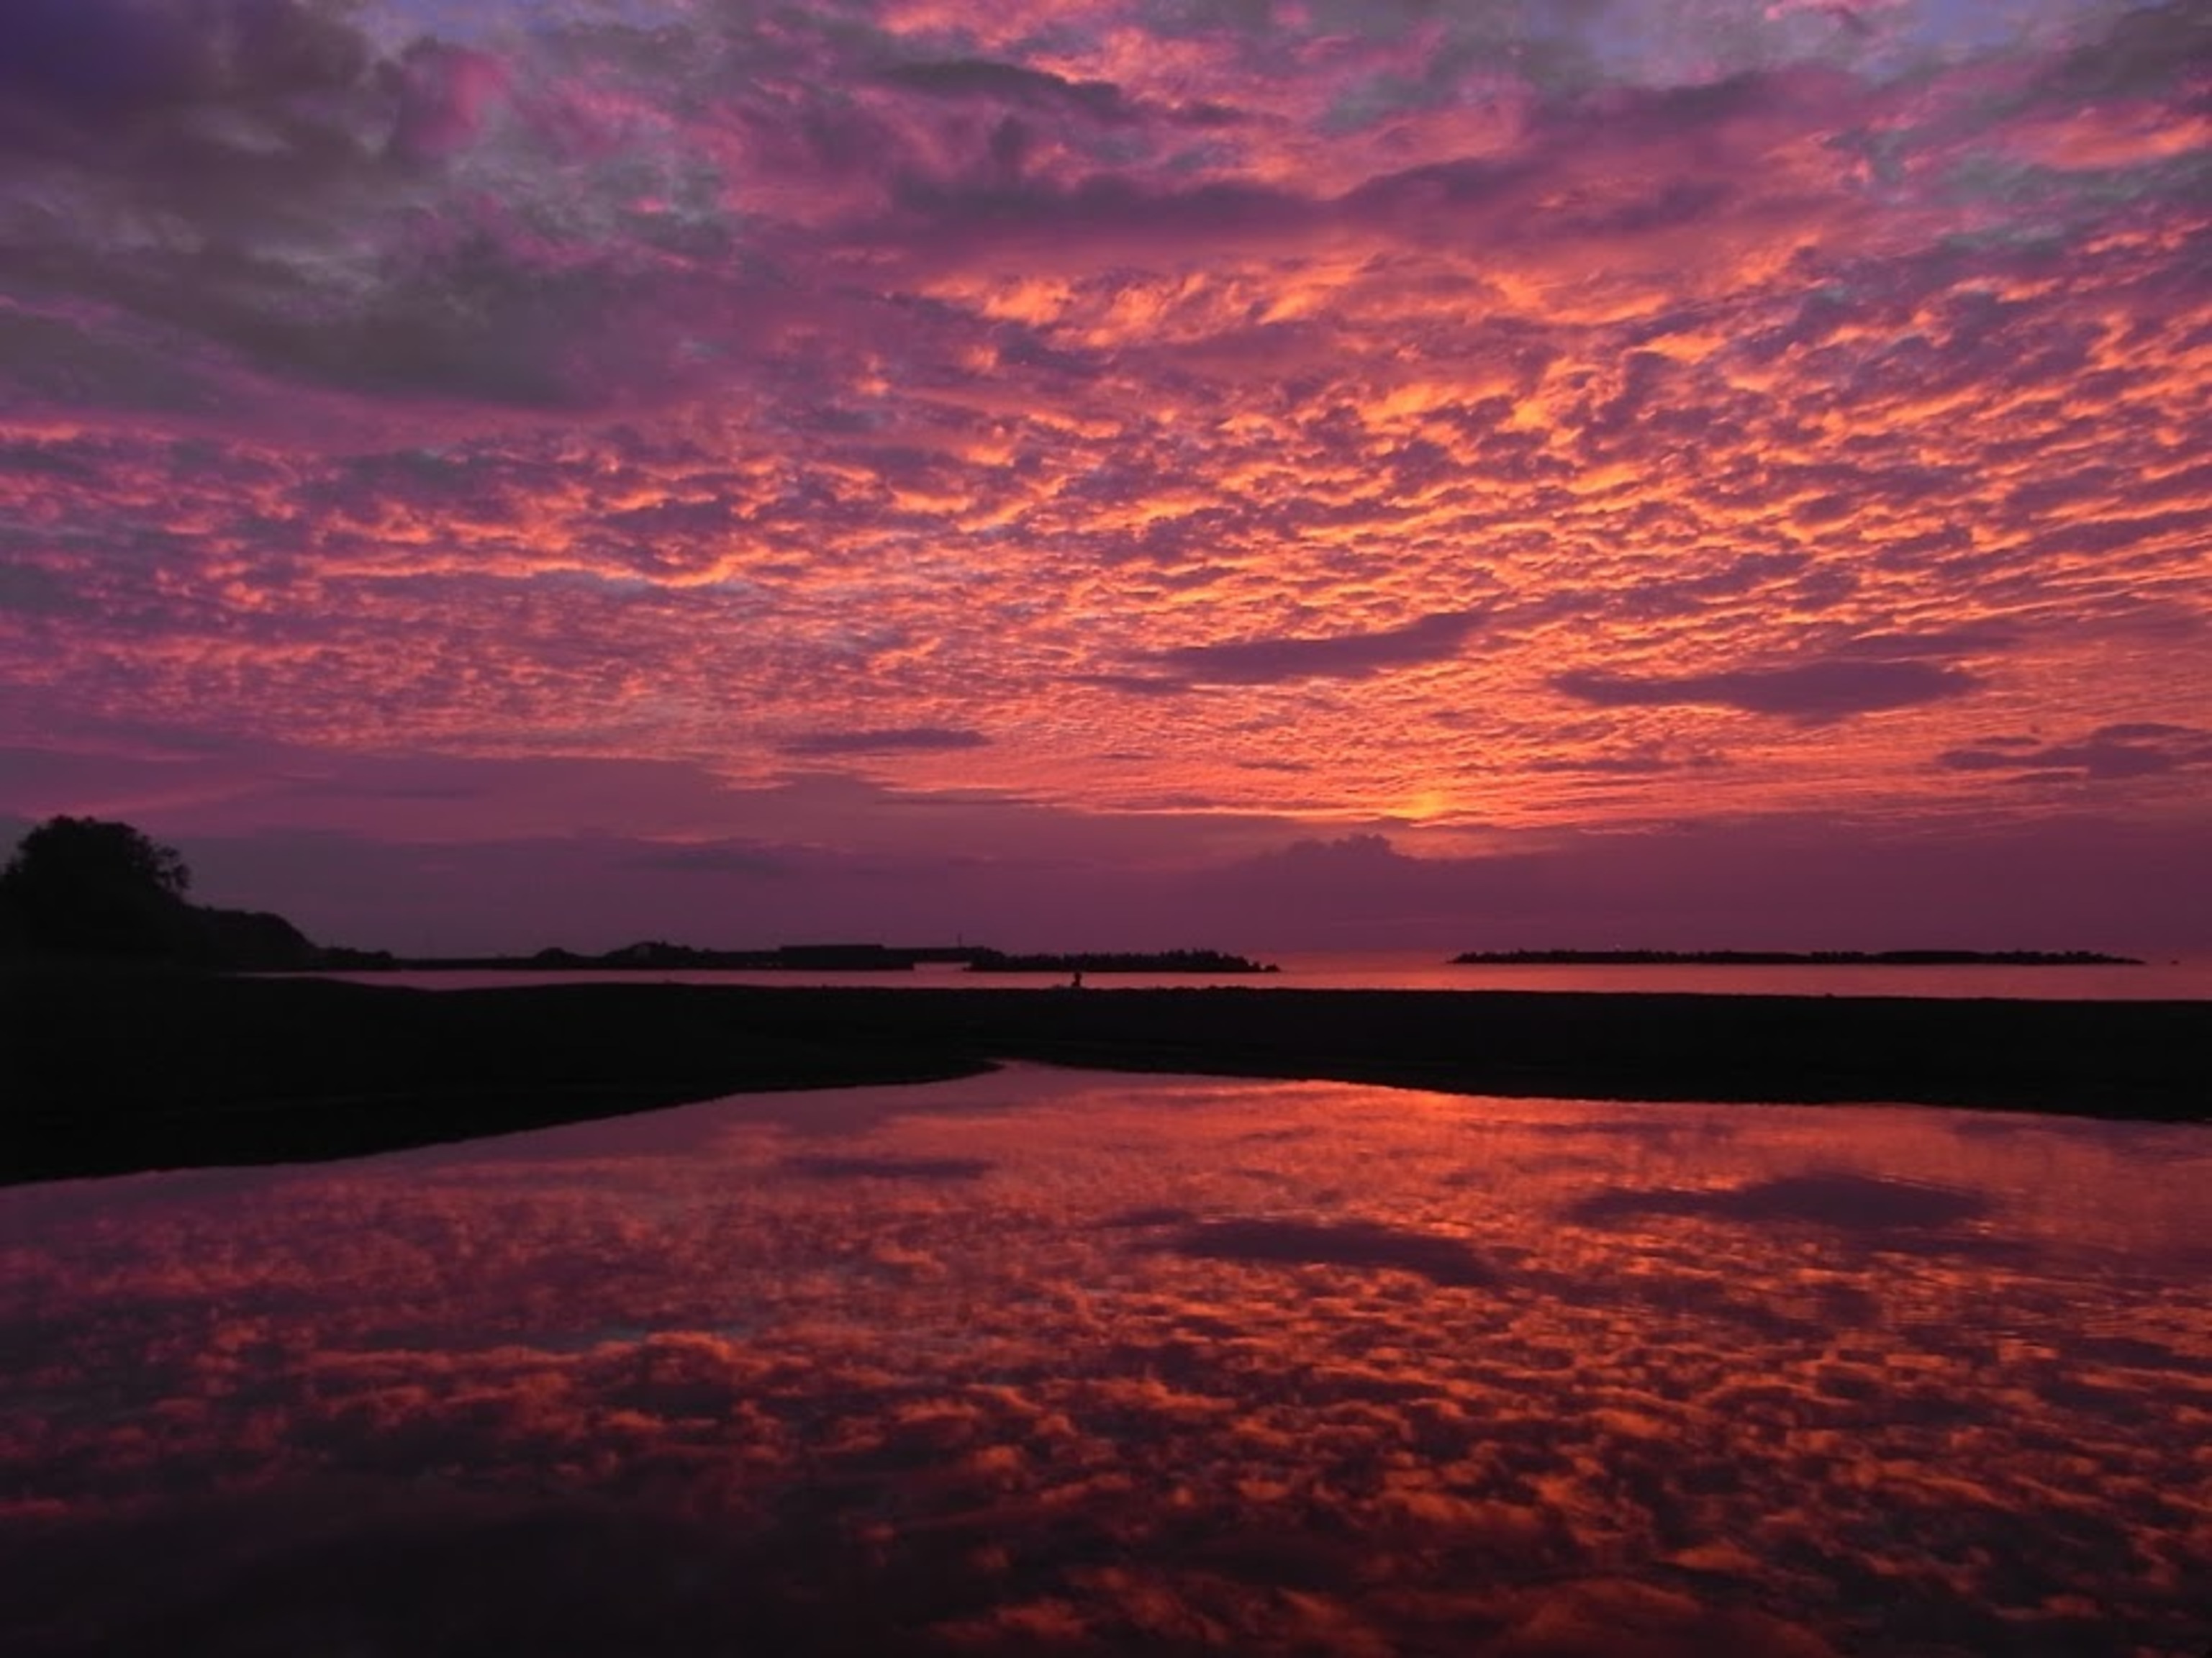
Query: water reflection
(1056, 1361)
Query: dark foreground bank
(107, 1073)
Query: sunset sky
(477, 474)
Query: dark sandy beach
(106, 1074)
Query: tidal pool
(1051, 1361)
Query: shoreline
(115, 1073)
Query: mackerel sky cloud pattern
(1167, 432)
(1048, 1360)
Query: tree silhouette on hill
(85, 886)
(84, 889)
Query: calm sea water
(2163, 981)
(1060, 1362)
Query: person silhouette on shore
(1076, 983)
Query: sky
(1127, 473)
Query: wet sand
(110, 1073)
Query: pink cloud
(447, 93)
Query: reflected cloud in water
(1054, 1361)
(818, 1166)
(1863, 1203)
(1336, 1243)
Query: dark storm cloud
(63, 358)
(29, 590)
(272, 141)
(1944, 642)
(1811, 694)
(2113, 535)
(1289, 657)
(303, 212)
(108, 67)
(978, 211)
(1010, 83)
(1686, 596)
(1135, 684)
(1408, 202)
(2151, 50)
(474, 320)
(2129, 749)
(224, 114)
(904, 740)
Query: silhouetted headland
(109, 1071)
(1791, 958)
(86, 890)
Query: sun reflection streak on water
(1114, 1363)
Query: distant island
(654, 953)
(1150, 961)
(1791, 958)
